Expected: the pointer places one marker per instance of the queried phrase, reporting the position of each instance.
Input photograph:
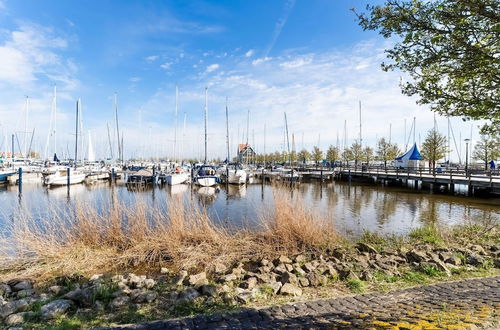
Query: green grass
(427, 234)
(356, 285)
(105, 292)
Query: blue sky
(308, 58)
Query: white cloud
(296, 63)
(152, 58)
(166, 65)
(135, 79)
(261, 60)
(212, 67)
(250, 53)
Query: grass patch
(356, 285)
(427, 234)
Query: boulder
(198, 280)
(181, 276)
(244, 296)
(290, 290)
(119, 302)
(474, 260)
(82, 297)
(18, 318)
(149, 283)
(96, 277)
(363, 247)
(55, 308)
(309, 267)
(5, 290)
(229, 278)
(208, 290)
(289, 278)
(316, 279)
(117, 278)
(275, 286)
(249, 284)
(416, 256)
(300, 258)
(15, 306)
(25, 293)
(304, 282)
(57, 290)
(264, 262)
(187, 295)
(220, 268)
(283, 260)
(22, 285)
(145, 297)
(164, 270)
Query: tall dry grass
(127, 237)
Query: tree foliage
(449, 48)
(317, 154)
(387, 151)
(304, 156)
(434, 147)
(354, 152)
(332, 154)
(487, 149)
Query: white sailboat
(60, 177)
(206, 174)
(234, 173)
(179, 176)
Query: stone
(309, 267)
(300, 258)
(275, 286)
(18, 318)
(249, 284)
(348, 275)
(220, 268)
(187, 295)
(478, 249)
(57, 290)
(244, 296)
(416, 256)
(363, 247)
(289, 267)
(284, 260)
(172, 296)
(136, 282)
(366, 276)
(25, 293)
(453, 260)
(55, 308)
(96, 277)
(149, 283)
(304, 282)
(208, 290)
(299, 271)
(119, 302)
(442, 267)
(15, 306)
(164, 271)
(264, 262)
(474, 260)
(290, 290)
(145, 297)
(181, 276)
(280, 269)
(316, 279)
(5, 290)
(117, 278)
(229, 278)
(238, 271)
(198, 280)
(22, 285)
(82, 297)
(289, 278)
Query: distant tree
(304, 156)
(487, 149)
(355, 152)
(387, 151)
(368, 154)
(317, 155)
(449, 49)
(332, 154)
(293, 156)
(434, 147)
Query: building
(245, 154)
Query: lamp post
(466, 155)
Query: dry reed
(127, 237)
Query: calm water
(353, 208)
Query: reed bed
(131, 237)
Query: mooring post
(68, 180)
(20, 181)
(154, 175)
(112, 175)
(321, 175)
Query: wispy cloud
(212, 67)
(279, 25)
(166, 65)
(250, 53)
(135, 79)
(152, 58)
(261, 60)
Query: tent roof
(412, 154)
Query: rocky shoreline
(115, 298)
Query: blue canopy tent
(409, 159)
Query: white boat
(176, 178)
(60, 177)
(235, 174)
(206, 176)
(4, 174)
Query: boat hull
(178, 178)
(208, 181)
(5, 175)
(240, 177)
(63, 181)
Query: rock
(57, 290)
(187, 295)
(198, 280)
(25, 293)
(304, 282)
(96, 277)
(363, 247)
(123, 286)
(249, 284)
(164, 271)
(300, 258)
(244, 296)
(416, 256)
(238, 271)
(289, 267)
(208, 290)
(474, 260)
(347, 275)
(82, 297)
(283, 260)
(220, 268)
(264, 262)
(119, 302)
(478, 249)
(22, 285)
(265, 269)
(289, 278)
(181, 276)
(172, 296)
(5, 290)
(149, 283)
(316, 279)
(15, 306)
(362, 261)
(18, 318)
(229, 278)
(136, 282)
(55, 308)
(117, 278)
(275, 286)
(145, 297)
(330, 271)
(366, 276)
(280, 269)
(290, 290)
(309, 267)
(264, 278)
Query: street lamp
(466, 155)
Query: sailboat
(234, 173)
(206, 174)
(179, 176)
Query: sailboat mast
(206, 119)
(183, 144)
(227, 133)
(109, 141)
(288, 141)
(264, 144)
(55, 119)
(117, 130)
(76, 131)
(175, 128)
(360, 128)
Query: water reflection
(353, 208)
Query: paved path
(453, 305)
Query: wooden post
(20, 181)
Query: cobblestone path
(454, 305)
